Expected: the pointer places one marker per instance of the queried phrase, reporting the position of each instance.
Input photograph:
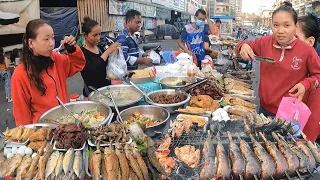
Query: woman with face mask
(42, 73)
(308, 31)
(94, 73)
(297, 66)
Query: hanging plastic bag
(117, 66)
(295, 111)
(156, 59)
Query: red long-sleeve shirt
(276, 80)
(28, 104)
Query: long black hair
(34, 65)
(1, 55)
(310, 27)
(287, 7)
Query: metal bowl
(170, 107)
(166, 80)
(76, 107)
(93, 96)
(155, 111)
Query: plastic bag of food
(117, 66)
(155, 57)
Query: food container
(55, 113)
(155, 111)
(170, 107)
(166, 80)
(93, 96)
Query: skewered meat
(289, 155)
(311, 160)
(252, 163)
(237, 160)
(314, 150)
(209, 168)
(223, 168)
(181, 126)
(268, 166)
(281, 164)
(303, 159)
(188, 154)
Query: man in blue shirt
(129, 42)
(191, 40)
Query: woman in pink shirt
(308, 31)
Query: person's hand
(146, 61)
(297, 91)
(246, 52)
(207, 14)
(114, 47)
(70, 40)
(146, 54)
(215, 53)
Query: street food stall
(171, 121)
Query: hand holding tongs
(187, 88)
(262, 59)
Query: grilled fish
(124, 166)
(142, 165)
(268, 166)
(132, 162)
(14, 163)
(95, 163)
(43, 161)
(209, 168)
(67, 163)
(314, 150)
(252, 163)
(311, 160)
(112, 163)
(281, 163)
(223, 168)
(51, 163)
(22, 169)
(78, 163)
(289, 155)
(33, 167)
(238, 162)
(58, 170)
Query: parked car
(167, 30)
(265, 31)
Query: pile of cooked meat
(70, 136)
(163, 98)
(210, 88)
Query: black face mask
(42, 62)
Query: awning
(222, 17)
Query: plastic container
(74, 97)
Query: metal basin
(154, 111)
(167, 81)
(170, 107)
(77, 107)
(93, 96)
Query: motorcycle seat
(150, 47)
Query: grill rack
(197, 138)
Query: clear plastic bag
(117, 66)
(156, 59)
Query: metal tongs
(187, 88)
(265, 59)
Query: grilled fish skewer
(289, 155)
(304, 149)
(268, 167)
(313, 148)
(238, 162)
(209, 168)
(223, 168)
(253, 169)
(281, 164)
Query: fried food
(192, 110)
(205, 102)
(17, 134)
(181, 126)
(142, 73)
(38, 135)
(36, 145)
(188, 154)
(232, 101)
(239, 110)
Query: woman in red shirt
(297, 67)
(43, 73)
(308, 31)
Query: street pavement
(75, 85)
